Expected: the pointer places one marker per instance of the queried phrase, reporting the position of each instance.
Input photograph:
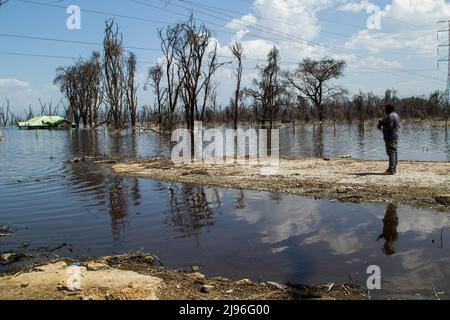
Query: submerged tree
(268, 90)
(113, 74)
(80, 84)
(311, 79)
(154, 80)
(5, 114)
(131, 89)
(238, 53)
(186, 73)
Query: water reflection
(86, 178)
(190, 209)
(390, 233)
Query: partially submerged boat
(46, 123)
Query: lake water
(232, 233)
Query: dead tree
(5, 114)
(237, 51)
(154, 80)
(170, 36)
(81, 85)
(311, 80)
(196, 59)
(66, 78)
(190, 63)
(269, 88)
(113, 75)
(131, 89)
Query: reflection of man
(390, 234)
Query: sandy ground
(135, 277)
(418, 184)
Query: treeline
(103, 89)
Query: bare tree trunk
(237, 52)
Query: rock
(243, 282)
(443, 199)
(10, 258)
(346, 157)
(326, 159)
(93, 266)
(195, 268)
(207, 288)
(201, 172)
(278, 286)
(344, 189)
(220, 279)
(24, 285)
(229, 291)
(341, 190)
(197, 276)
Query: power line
(297, 39)
(214, 9)
(307, 14)
(96, 12)
(39, 55)
(70, 41)
(251, 2)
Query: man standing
(390, 126)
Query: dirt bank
(418, 184)
(136, 277)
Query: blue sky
(399, 54)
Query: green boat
(46, 123)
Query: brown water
(227, 232)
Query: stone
(229, 291)
(243, 282)
(93, 266)
(24, 285)
(220, 279)
(195, 268)
(197, 276)
(341, 190)
(207, 288)
(344, 189)
(278, 286)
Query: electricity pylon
(445, 28)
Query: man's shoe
(389, 173)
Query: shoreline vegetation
(424, 185)
(138, 276)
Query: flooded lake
(232, 233)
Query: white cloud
(238, 24)
(356, 7)
(13, 83)
(21, 94)
(405, 24)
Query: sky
(387, 44)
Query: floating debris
(6, 231)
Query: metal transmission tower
(445, 28)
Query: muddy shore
(423, 185)
(138, 277)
